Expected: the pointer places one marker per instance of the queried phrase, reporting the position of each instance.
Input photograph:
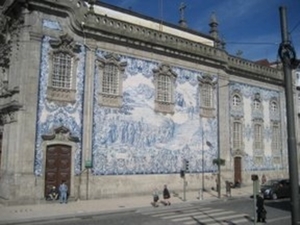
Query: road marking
(201, 216)
(192, 214)
(167, 209)
(233, 221)
(181, 212)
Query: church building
(116, 103)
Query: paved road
(215, 213)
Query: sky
(248, 26)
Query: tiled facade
(133, 148)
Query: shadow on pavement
(282, 204)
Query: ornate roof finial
(214, 26)
(182, 21)
(214, 31)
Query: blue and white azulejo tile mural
(265, 115)
(51, 115)
(136, 140)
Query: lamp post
(287, 55)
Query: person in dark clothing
(53, 194)
(228, 188)
(166, 196)
(155, 198)
(261, 211)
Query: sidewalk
(54, 210)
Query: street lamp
(287, 55)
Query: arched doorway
(58, 166)
(237, 169)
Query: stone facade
(130, 143)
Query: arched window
(236, 100)
(274, 106)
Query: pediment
(61, 133)
(238, 152)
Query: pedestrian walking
(228, 188)
(155, 198)
(63, 192)
(261, 211)
(166, 196)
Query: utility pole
(287, 56)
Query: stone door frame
(60, 136)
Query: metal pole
(184, 188)
(219, 150)
(285, 51)
(87, 185)
(254, 203)
(202, 161)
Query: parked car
(276, 188)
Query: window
(206, 95)
(164, 81)
(207, 84)
(276, 143)
(237, 135)
(62, 70)
(258, 136)
(274, 106)
(164, 89)
(110, 79)
(236, 101)
(111, 71)
(256, 104)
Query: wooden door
(58, 166)
(237, 169)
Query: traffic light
(187, 165)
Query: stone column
(18, 183)
(224, 122)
